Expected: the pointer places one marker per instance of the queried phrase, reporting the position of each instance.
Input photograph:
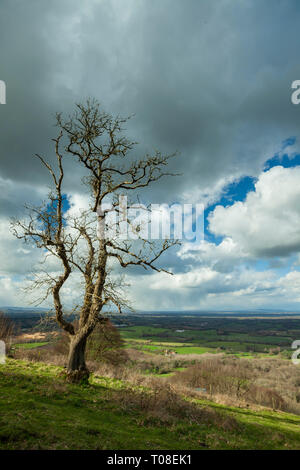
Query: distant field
(197, 335)
(30, 345)
(193, 350)
(255, 337)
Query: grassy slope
(39, 411)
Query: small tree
(96, 141)
(105, 344)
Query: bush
(232, 378)
(162, 403)
(106, 345)
(7, 329)
(266, 397)
(216, 377)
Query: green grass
(38, 410)
(193, 350)
(30, 345)
(140, 331)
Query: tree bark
(77, 370)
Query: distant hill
(23, 312)
(30, 312)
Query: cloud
(220, 257)
(200, 80)
(267, 223)
(205, 288)
(212, 83)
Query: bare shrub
(164, 404)
(240, 381)
(40, 354)
(7, 330)
(216, 376)
(266, 397)
(6, 327)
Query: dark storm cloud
(209, 79)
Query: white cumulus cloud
(267, 223)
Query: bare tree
(96, 141)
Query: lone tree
(84, 243)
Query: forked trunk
(77, 370)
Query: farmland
(197, 335)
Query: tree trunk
(77, 370)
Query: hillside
(40, 411)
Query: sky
(210, 80)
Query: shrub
(266, 397)
(162, 403)
(104, 345)
(216, 377)
(7, 329)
